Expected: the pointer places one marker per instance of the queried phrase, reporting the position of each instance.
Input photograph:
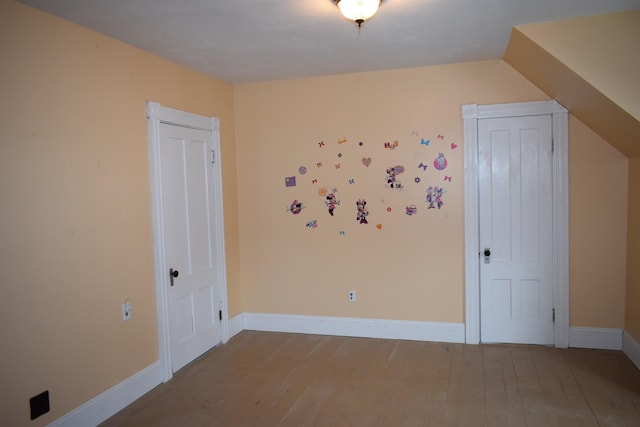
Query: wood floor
(279, 379)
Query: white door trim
(157, 114)
(471, 113)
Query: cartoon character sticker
(361, 206)
(331, 201)
(296, 207)
(440, 162)
(434, 197)
(392, 174)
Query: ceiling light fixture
(358, 11)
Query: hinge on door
(213, 156)
(552, 145)
(220, 315)
(553, 314)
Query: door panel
(515, 205)
(186, 191)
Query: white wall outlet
(126, 311)
(352, 296)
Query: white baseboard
(110, 402)
(236, 325)
(631, 348)
(596, 338)
(355, 327)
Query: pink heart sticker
(454, 146)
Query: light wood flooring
(281, 379)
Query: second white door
(187, 209)
(516, 220)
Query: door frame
(157, 114)
(471, 113)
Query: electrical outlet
(39, 404)
(126, 311)
(352, 296)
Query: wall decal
(289, 181)
(440, 162)
(332, 202)
(434, 197)
(361, 206)
(391, 145)
(392, 179)
(426, 160)
(296, 207)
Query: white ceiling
(241, 41)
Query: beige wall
(413, 267)
(76, 234)
(598, 179)
(632, 313)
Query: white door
(186, 179)
(516, 221)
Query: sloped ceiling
(591, 65)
